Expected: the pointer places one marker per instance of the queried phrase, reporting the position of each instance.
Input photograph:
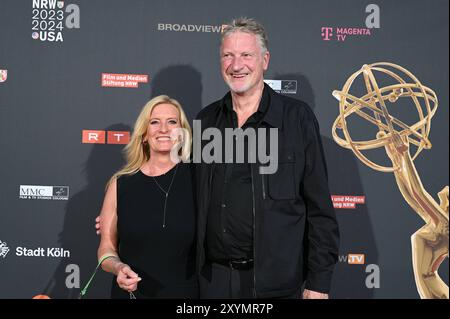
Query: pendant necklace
(166, 193)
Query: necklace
(166, 193)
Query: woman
(148, 214)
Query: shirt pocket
(281, 184)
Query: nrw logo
(353, 259)
(283, 86)
(3, 75)
(105, 137)
(4, 249)
(372, 21)
(47, 19)
(44, 192)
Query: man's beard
(239, 90)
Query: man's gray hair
(247, 25)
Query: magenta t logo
(327, 33)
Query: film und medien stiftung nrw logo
(283, 86)
(44, 192)
(49, 18)
(4, 249)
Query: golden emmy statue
(429, 243)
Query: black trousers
(221, 282)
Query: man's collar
(262, 107)
(270, 106)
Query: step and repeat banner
(75, 74)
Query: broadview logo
(175, 27)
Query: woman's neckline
(142, 172)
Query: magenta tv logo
(341, 33)
(327, 33)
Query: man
(263, 235)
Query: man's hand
(309, 294)
(97, 225)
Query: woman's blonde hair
(137, 152)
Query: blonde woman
(148, 217)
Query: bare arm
(126, 278)
(108, 226)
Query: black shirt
(164, 257)
(230, 218)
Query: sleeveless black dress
(164, 257)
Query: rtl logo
(105, 137)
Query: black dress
(164, 257)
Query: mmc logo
(44, 192)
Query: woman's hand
(127, 279)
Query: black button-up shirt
(230, 219)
